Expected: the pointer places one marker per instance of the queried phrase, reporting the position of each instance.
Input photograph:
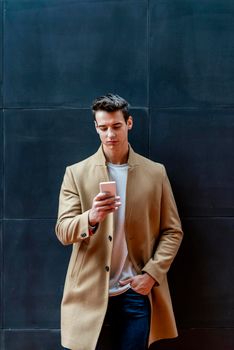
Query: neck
(116, 156)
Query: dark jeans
(127, 322)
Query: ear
(96, 126)
(130, 122)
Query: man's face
(112, 129)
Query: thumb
(124, 282)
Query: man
(123, 245)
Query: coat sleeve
(72, 223)
(170, 237)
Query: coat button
(84, 234)
(107, 268)
(110, 238)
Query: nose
(110, 132)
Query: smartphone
(109, 186)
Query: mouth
(111, 142)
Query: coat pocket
(79, 260)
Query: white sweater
(121, 265)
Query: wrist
(92, 230)
(92, 222)
(151, 279)
(92, 226)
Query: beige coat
(153, 234)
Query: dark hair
(111, 103)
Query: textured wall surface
(174, 61)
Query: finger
(109, 201)
(124, 282)
(104, 195)
(106, 200)
(106, 209)
(106, 205)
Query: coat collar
(101, 160)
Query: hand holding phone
(104, 203)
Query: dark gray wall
(174, 61)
